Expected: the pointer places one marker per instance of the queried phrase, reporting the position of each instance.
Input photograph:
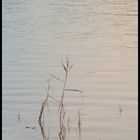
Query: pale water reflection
(100, 36)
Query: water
(100, 37)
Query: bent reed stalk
(44, 103)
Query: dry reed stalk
(42, 130)
(67, 67)
(44, 103)
(42, 109)
(76, 90)
(62, 133)
(79, 123)
(55, 77)
(62, 96)
(62, 112)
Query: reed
(79, 123)
(62, 111)
(67, 67)
(44, 104)
(64, 119)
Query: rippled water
(100, 37)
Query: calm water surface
(100, 37)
